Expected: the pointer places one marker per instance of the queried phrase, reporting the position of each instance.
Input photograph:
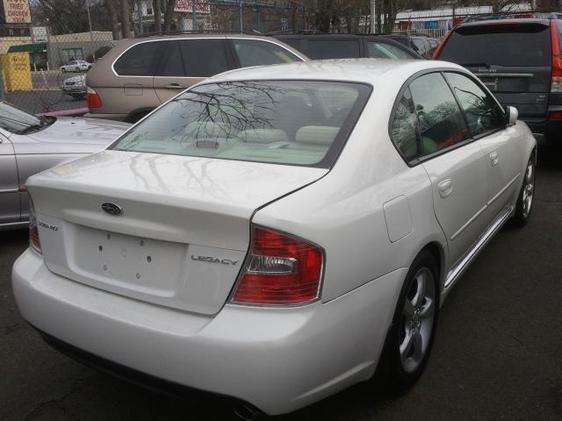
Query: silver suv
(138, 75)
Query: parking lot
(496, 355)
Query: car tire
(410, 337)
(525, 200)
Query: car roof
(512, 21)
(195, 35)
(364, 70)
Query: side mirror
(512, 115)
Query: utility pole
(139, 15)
(193, 16)
(241, 16)
(90, 28)
(125, 23)
(373, 16)
(1, 84)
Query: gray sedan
(30, 144)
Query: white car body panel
(460, 191)
(241, 352)
(371, 213)
(176, 220)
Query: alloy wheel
(417, 320)
(528, 189)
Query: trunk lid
(512, 58)
(184, 226)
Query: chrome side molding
(457, 270)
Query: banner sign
(186, 6)
(39, 34)
(431, 24)
(17, 11)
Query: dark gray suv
(519, 60)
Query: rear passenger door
(187, 62)
(454, 163)
(487, 123)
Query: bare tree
(125, 19)
(504, 5)
(62, 16)
(157, 9)
(112, 12)
(169, 14)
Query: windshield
(284, 122)
(499, 44)
(17, 121)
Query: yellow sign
(17, 72)
(17, 11)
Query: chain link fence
(48, 74)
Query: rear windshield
(499, 44)
(283, 122)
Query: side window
(173, 64)
(326, 49)
(482, 112)
(385, 50)
(403, 127)
(139, 60)
(204, 57)
(440, 120)
(258, 53)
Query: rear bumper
(278, 360)
(71, 91)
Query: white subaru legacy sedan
(275, 234)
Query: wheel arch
(437, 250)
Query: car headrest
(206, 129)
(317, 135)
(263, 136)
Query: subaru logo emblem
(112, 208)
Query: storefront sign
(17, 11)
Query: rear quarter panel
(350, 212)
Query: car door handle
(173, 86)
(445, 187)
(494, 158)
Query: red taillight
(34, 241)
(556, 84)
(94, 100)
(279, 269)
(555, 116)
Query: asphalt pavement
(497, 354)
